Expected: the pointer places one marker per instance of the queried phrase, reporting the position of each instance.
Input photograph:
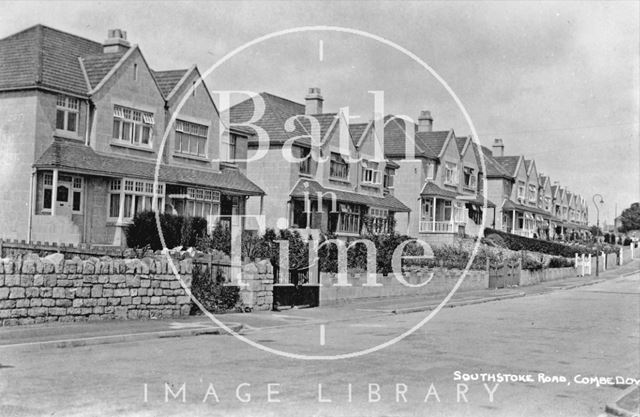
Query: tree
(630, 218)
(595, 231)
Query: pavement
(64, 335)
(627, 404)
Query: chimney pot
(498, 147)
(425, 121)
(116, 41)
(313, 101)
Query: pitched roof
(460, 142)
(431, 189)
(427, 144)
(511, 205)
(44, 57)
(494, 168)
(167, 80)
(509, 163)
(276, 113)
(98, 66)
(312, 188)
(357, 129)
(81, 158)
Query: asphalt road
(589, 331)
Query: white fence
(583, 265)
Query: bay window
(128, 197)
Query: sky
(558, 82)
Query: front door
(63, 200)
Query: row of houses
(84, 125)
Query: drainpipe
(31, 204)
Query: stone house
(84, 125)
(440, 182)
(320, 173)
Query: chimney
(116, 42)
(425, 121)
(498, 147)
(313, 101)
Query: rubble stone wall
(39, 290)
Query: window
(135, 71)
(431, 170)
(67, 113)
(533, 193)
(388, 177)
(64, 183)
(379, 220)
(469, 178)
(520, 190)
(133, 196)
(132, 126)
(338, 168)
(191, 138)
(348, 218)
(451, 173)
(307, 166)
(202, 202)
(370, 173)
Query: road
(588, 331)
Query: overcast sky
(558, 82)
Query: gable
(121, 77)
(533, 174)
(331, 140)
(521, 171)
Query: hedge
(177, 230)
(518, 243)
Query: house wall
(197, 109)
(407, 185)
(140, 94)
(452, 155)
(276, 177)
(18, 124)
(497, 190)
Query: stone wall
(533, 277)
(442, 282)
(38, 290)
(257, 294)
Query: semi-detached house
(333, 187)
(82, 127)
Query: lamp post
(596, 202)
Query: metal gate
(504, 275)
(294, 290)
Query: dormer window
(67, 109)
(133, 127)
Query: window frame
(68, 105)
(451, 173)
(132, 123)
(336, 163)
(133, 190)
(190, 131)
(371, 175)
(76, 188)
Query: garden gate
(295, 289)
(504, 275)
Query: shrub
(212, 294)
(532, 262)
(177, 230)
(219, 239)
(560, 262)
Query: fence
(217, 269)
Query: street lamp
(597, 208)
(595, 202)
